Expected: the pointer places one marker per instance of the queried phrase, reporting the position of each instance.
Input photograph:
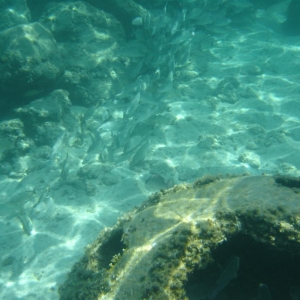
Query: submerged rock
(174, 245)
(30, 63)
(13, 13)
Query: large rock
(123, 10)
(12, 13)
(44, 118)
(30, 63)
(88, 38)
(176, 244)
(80, 22)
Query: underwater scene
(150, 149)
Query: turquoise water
(101, 106)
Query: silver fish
(19, 212)
(97, 144)
(134, 49)
(203, 19)
(174, 27)
(184, 37)
(155, 182)
(26, 223)
(140, 154)
(111, 126)
(65, 169)
(133, 88)
(144, 112)
(138, 21)
(229, 273)
(57, 146)
(132, 143)
(44, 195)
(116, 144)
(156, 74)
(165, 86)
(20, 199)
(137, 68)
(133, 105)
(90, 158)
(89, 112)
(22, 205)
(222, 21)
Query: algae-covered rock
(13, 13)
(30, 64)
(218, 238)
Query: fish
(183, 14)
(90, 158)
(166, 84)
(133, 105)
(156, 182)
(57, 146)
(174, 27)
(89, 112)
(145, 112)
(163, 119)
(133, 49)
(113, 126)
(183, 37)
(132, 143)
(43, 208)
(26, 223)
(15, 207)
(222, 21)
(140, 154)
(116, 143)
(156, 74)
(201, 17)
(137, 68)
(97, 144)
(42, 197)
(132, 89)
(184, 56)
(138, 21)
(144, 81)
(64, 169)
(229, 273)
(106, 155)
(148, 98)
